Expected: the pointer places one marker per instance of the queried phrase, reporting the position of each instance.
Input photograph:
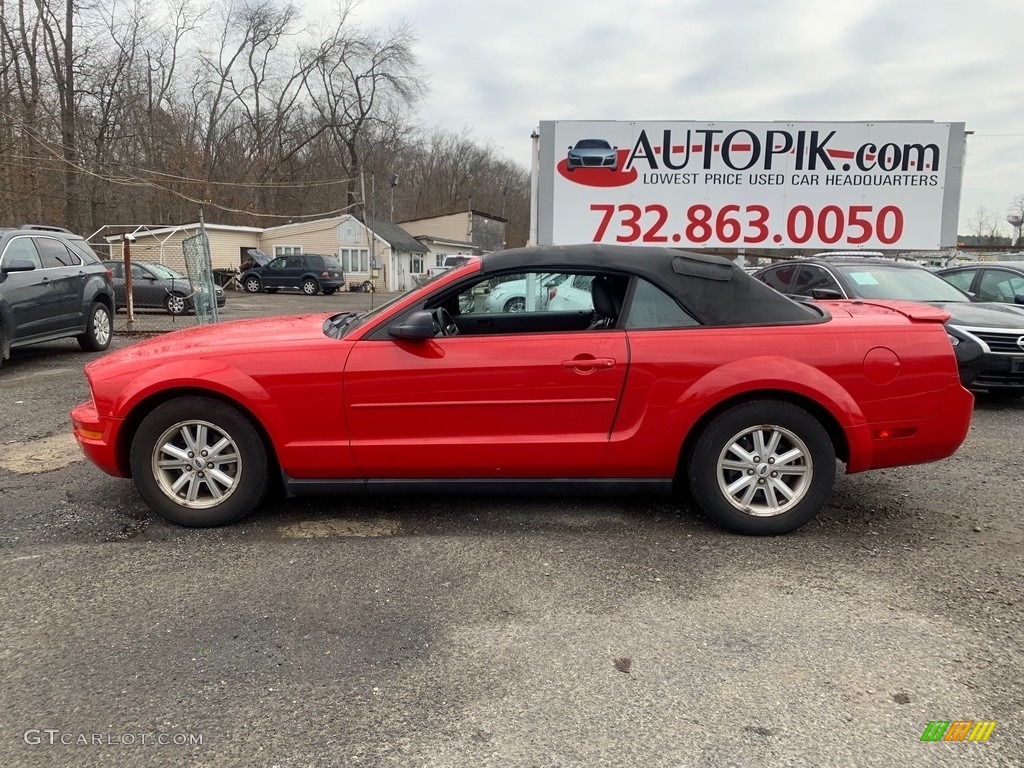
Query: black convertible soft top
(713, 289)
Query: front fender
(212, 375)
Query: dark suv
(988, 338)
(52, 285)
(311, 273)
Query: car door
(117, 278)
(780, 278)
(295, 268)
(488, 405)
(65, 272)
(962, 279)
(273, 275)
(1000, 285)
(147, 290)
(28, 294)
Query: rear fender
(735, 379)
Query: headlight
(953, 339)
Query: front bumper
(990, 370)
(97, 435)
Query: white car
(510, 296)
(571, 295)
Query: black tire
(253, 284)
(515, 304)
(271, 290)
(329, 291)
(98, 330)
(243, 481)
(175, 304)
(781, 501)
(310, 286)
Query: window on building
(287, 250)
(416, 264)
(355, 259)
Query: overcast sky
(499, 67)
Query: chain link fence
(173, 285)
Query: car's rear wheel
(329, 291)
(199, 462)
(253, 284)
(763, 467)
(98, 330)
(515, 304)
(175, 304)
(310, 287)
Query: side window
(997, 285)
(21, 249)
(651, 307)
(961, 280)
(531, 292)
(138, 273)
(810, 278)
(55, 254)
(278, 263)
(779, 278)
(296, 262)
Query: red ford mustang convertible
(663, 371)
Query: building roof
(143, 231)
(399, 239)
(474, 211)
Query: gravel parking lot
(500, 631)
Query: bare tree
(357, 81)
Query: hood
(259, 256)
(239, 336)
(988, 314)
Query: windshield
(166, 272)
(881, 281)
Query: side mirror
(1018, 298)
(18, 265)
(826, 293)
(419, 325)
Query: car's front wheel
(310, 287)
(98, 330)
(253, 284)
(199, 462)
(175, 304)
(762, 467)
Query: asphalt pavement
(500, 631)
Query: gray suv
(52, 285)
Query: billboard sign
(881, 185)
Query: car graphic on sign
(592, 153)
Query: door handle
(45, 281)
(589, 362)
